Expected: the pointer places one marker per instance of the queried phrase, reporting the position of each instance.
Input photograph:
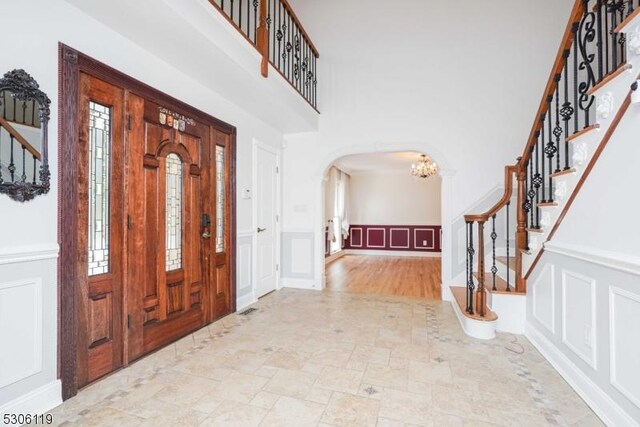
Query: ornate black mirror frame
(23, 87)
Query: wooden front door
(101, 250)
(154, 189)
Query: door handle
(206, 235)
(260, 230)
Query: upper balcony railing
(273, 28)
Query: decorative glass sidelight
(99, 153)
(174, 213)
(220, 198)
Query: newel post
(262, 42)
(521, 230)
(481, 296)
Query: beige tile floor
(307, 358)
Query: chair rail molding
(18, 254)
(617, 261)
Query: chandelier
(425, 168)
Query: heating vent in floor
(248, 311)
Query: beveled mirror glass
(24, 118)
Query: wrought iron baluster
(240, 15)
(508, 254)
(222, 5)
(542, 181)
(12, 165)
(599, 41)
(231, 16)
(23, 177)
(550, 150)
(574, 28)
(567, 109)
(531, 193)
(248, 17)
(34, 170)
(587, 34)
(557, 130)
(470, 253)
(256, 18)
(537, 181)
(290, 48)
(279, 34)
(494, 236)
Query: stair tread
(563, 172)
(503, 260)
(501, 285)
(547, 204)
(612, 75)
(535, 230)
(460, 295)
(582, 132)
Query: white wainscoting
(28, 329)
(543, 290)
(20, 330)
(594, 342)
(298, 260)
(624, 324)
(245, 294)
(579, 315)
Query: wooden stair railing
(591, 53)
(273, 28)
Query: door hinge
(277, 169)
(277, 267)
(128, 321)
(277, 218)
(129, 222)
(129, 122)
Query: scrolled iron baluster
(12, 165)
(494, 236)
(23, 177)
(470, 253)
(567, 109)
(587, 34)
(550, 150)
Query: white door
(266, 199)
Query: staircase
(590, 87)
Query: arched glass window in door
(173, 198)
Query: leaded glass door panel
(100, 189)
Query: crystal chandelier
(425, 168)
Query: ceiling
(388, 162)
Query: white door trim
(254, 206)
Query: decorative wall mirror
(24, 117)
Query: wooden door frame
(71, 63)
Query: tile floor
(307, 358)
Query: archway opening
(382, 221)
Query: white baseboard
(38, 401)
(301, 284)
(245, 301)
(334, 257)
(393, 253)
(601, 403)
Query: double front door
(153, 195)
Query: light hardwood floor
(384, 275)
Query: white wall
(394, 198)
(457, 80)
(29, 230)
